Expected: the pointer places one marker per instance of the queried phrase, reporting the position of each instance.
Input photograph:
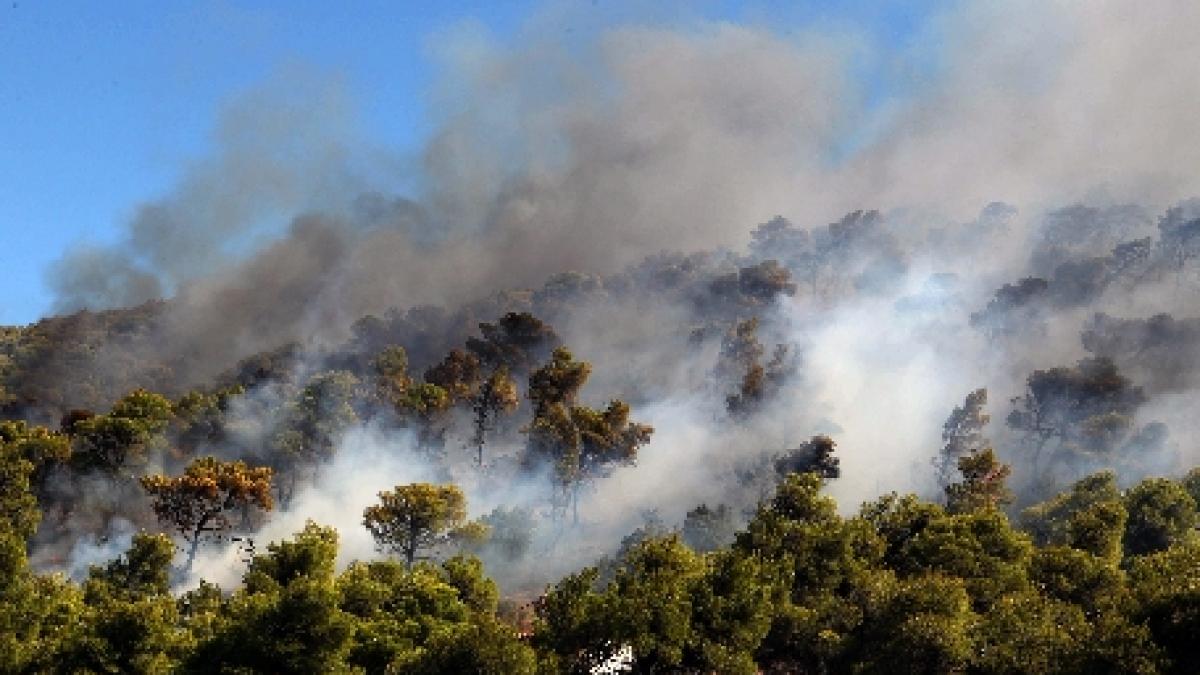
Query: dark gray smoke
(589, 156)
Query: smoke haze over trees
(671, 345)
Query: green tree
(35, 611)
(201, 418)
(732, 609)
(918, 625)
(572, 626)
(496, 395)
(310, 425)
(420, 516)
(707, 529)
(475, 590)
(1080, 578)
(200, 611)
(152, 410)
(466, 378)
(510, 532)
(19, 514)
(1082, 412)
(1027, 632)
(1166, 586)
(962, 434)
(983, 486)
(814, 455)
(1120, 644)
(286, 618)
(131, 622)
(391, 375)
(123, 438)
(396, 610)
(482, 379)
(584, 442)
(1161, 514)
(1191, 483)
(459, 373)
(45, 450)
(557, 383)
(555, 440)
(741, 362)
(483, 645)
(424, 407)
(578, 441)
(517, 340)
(979, 547)
(428, 619)
(800, 523)
(821, 562)
(608, 436)
(650, 600)
(1090, 517)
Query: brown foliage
(198, 503)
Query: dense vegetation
(1094, 580)
(1068, 544)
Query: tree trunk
(480, 431)
(410, 547)
(192, 552)
(575, 503)
(286, 489)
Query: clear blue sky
(103, 103)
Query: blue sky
(103, 104)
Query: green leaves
(1027, 632)
(286, 618)
(919, 625)
(1090, 516)
(983, 485)
(311, 422)
(36, 613)
(1166, 586)
(1161, 513)
(577, 441)
(419, 516)
(557, 382)
(19, 515)
(428, 619)
(651, 602)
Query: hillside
(639, 462)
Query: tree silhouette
(496, 395)
(961, 434)
(578, 441)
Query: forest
(860, 446)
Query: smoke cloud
(556, 155)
